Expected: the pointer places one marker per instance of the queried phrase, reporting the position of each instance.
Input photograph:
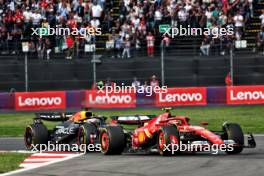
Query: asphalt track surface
(249, 163)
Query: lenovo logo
(182, 96)
(185, 97)
(40, 100)
(255, 95)
(245, 95)
(112, 100)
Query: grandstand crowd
(135, 24)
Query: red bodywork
(145, 133)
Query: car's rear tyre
(87, 134)
(234, 132)
(35, 135)
(112, 140)
(168, 140)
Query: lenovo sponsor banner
(245, 95)
(40, 100)
(182, 96)
(97, 99)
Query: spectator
(154, 82)
(118, 45)
(48, 47)
(135, 83)
(228, 80)
(166, 42)
(205, 47)
(158, 17)
(261, 17)
(110, 43)
(126, 48)
(95, 23)
(109, 82)
(96, 10)
(70, 46)
(182, 14)
(150, 44)
(36, 18)
(260, 40)
(136, 20)
(239, 21)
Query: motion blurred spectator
(205, 47)
(118, 45)
(154, 82)
(239, 21)
(44, 48)
(260, 40)
(166, 42)
(135, 82)
(261, 17)
(150, 44)
(228, 80)
(110, 44)
(70, 46)
(136, 19)
(96, 10)
(126, 48)
(109, 82)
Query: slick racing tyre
(36, 134)
(87, 134)
(112, 140)
(168, 139)
(234, 132)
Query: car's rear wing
(54, 116)
(132, 119)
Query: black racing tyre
(168, 136)
(87, 134)
(234, 132)
(112, 140)
(36, 134)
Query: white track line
(45, 164)
(259, 135)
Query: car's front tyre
(233, 131)
(35, 135)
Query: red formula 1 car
(165, 131)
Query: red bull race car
(74, 128)
(165, 133)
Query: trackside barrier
(96, 99)
(188, 96)
(40, 100)
(182, 97)
(245, 95)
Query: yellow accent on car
(148, 133)
(83, 115)
(141, 137)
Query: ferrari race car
(165, 133)
(75, 128)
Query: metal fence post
(26, 71)
(162, 63)
(231, 65)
